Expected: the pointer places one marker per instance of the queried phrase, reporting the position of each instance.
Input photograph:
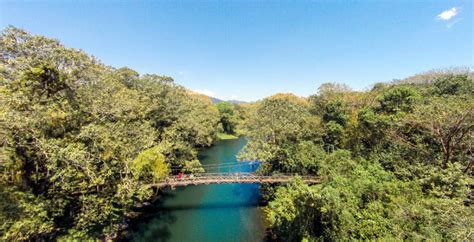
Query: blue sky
(247, 50)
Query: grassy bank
(224, 136)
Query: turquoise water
(220, 212)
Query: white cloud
(448, 14)
(206, 92)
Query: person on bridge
(180, 175)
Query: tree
(331, 88)
(359, 200)
(398, 99)
(451, 123)
(278, 121)
(335, 119)
(81, 140)
(228, 116)
(150, 162)
(453, 85)
(393, 167)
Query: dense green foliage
(232, 118)
(396, 162)
(80, 140)
(228, 118)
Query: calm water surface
(226, 212)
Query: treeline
(395, 162)
(80, 140)
(232, 117)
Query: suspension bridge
(228, 173)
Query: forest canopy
(395, 162)
(81, 140)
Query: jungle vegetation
(81, 140)
(396, 162)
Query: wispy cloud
(448, 14)
(452, 23)
(206, 92)
(210, 93)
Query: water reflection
(219, 212)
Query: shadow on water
(251, 193)
(153, 222)
(156, 219)
(216, 212)
(202, 156)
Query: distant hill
(217, 100)
(238, 102)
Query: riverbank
(225, 136)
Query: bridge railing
(236, 176)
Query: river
(219, 212)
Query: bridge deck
(220, 178)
